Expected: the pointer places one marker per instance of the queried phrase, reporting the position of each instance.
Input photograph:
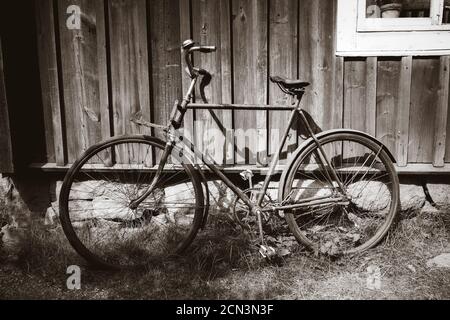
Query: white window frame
(361, 36)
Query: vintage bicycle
(137, 199)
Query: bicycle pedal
(267, 251)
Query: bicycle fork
(322, 155)
(167, 151)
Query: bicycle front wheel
(96, 212)
(370, 196)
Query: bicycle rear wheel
(95, 202)
(371, 189)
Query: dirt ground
(223, 265)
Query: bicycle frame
(174, 136)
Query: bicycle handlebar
(189, 47)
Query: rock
(16, 208)
(441, 261)
(411, 267)
(308, 189)
(86, 190)
(80, 210)
(220, 196)
(412, 197)
(12, 239)
(370, 196)
(428, 208)
(440, 193)
(111, 209)
(51, 217)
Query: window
(393, 27)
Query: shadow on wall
(23, 91)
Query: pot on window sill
(391, 10)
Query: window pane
(398, 8)
(446, 14)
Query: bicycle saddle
(289, 84)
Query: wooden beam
(410, 169)
(211, 26)
(227, 74)
(163, 20)
(440, 124)
(48, 70)
(129, 67)
(186, 33)
(250, 76)
(84, 74)
(371, 95)
(338, 93)
(424, 101)
(283, 54)
(402, 119)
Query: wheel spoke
(107, 230)
(368, 179)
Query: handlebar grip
(207, 49)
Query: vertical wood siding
(126, 62)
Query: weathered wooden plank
(388, 80)
(129, 66)
(227, 75)
(440, 126)
(336, 81)
(316, 58)
(424, 100)
(337, 114)
(410, 169)
(447, 141)
(403, 112)
(211, 26)
(355, 94)
(102, 70)
(6, 157)
(165, 59)
(48, 70)
(354, 100)
(84, 86)
(250, 76)
(186, 33)
(283, 53)
(371, 95)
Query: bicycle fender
(319, 136)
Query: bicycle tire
(308, 151)
(81, 248)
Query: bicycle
(136, 199)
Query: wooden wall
(125, 62)
(6, 163)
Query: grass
(223, 264)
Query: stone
(440, 193)
(441, 261)
(412, 197)
(111, 209)
(307, 189)
(220, 196)
(80, 210)
(15, 233)
(371, 196)
(51, 217)
(12, 239)
(86, 190)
